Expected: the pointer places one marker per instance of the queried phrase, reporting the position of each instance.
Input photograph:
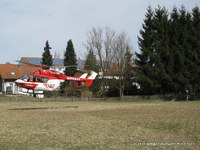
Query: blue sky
(25, 25)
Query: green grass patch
(2, 95)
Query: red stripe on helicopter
(29, 85)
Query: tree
(182, 45)
(70, 59)
(91, 64)
(56, 55)
(128, 73)
(190, 56)
(46, 56)
(169, 45)
(163, 60)
(100, 42)
(176, 52)
(121, 60)
(196, 47)
(145, 59)
(110, 49)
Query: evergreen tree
(146, 58)
(184, 73)
(113, 90)
(196, 47)
(163, 61)
(91, 64)
(128, 73)
(70, 59)
(190, 55)
(46, 56)
(176, 52)
(169, 59)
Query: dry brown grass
(98, 125)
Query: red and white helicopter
(50, 80)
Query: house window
(13, 73)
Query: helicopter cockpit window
(32, 78)
(39, 79)
(24, 78)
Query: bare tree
(108, 46)
(95, 43)
(122, 48)
(110, 49)
(100, 41)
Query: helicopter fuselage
(50, 80)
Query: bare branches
(107, 45)
(121, 44)
(110, 49)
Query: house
(11, 72)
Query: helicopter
(50, 80)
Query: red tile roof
(13, 71)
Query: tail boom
(83, 80)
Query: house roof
(13, 71)
(56, 61)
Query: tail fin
(83, 76)
(93, 75)
(91, 78)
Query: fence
(70, 99)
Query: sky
(26, 25)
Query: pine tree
(182, 78)
(146, 58)
(70, 59)
(191, 55)
(169, 59)
(91, 64)
(176, 52)
(196, 47)
(164, 61)
(46, 56)
(128, 72)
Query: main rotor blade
(22, 62)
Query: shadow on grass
(41, 108)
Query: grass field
(100, 125)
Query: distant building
(11, 72)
